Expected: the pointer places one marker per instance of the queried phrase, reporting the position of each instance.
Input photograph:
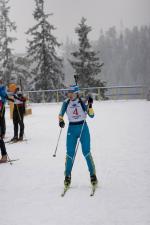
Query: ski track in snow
(30, 189)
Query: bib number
(75, 112)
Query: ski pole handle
(76, 77)
(54, 155)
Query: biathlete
(77, 110)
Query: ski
(94, 187)
(66, 188)
(10, 142)
(93, 190)
(12, 160)
(13, 142)
(9, 161)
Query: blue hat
(73, 89)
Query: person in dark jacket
(2, 144)
(3, 98)
(18, 115)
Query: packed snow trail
(30, 189)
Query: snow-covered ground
(30, 189)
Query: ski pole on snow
(76, 77)
(54, 155)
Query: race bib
(75, 112)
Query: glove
(62, 123)
(20, 95)
(17, 96)
(14, 95)
(90, 101)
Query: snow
(30, 189)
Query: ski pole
(54, 155)
(77, 145)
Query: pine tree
(68, 47)
(6, 26)
(86, 64)
(46, 65)
(21, 71)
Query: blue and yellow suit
(77, 111)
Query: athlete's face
(71, 95)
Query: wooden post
(57, 96)
(99, 94)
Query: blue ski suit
(3, 98)
(76, 111)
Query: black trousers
(2, 131)
(2, 147)
(2, 122)
(18, 116)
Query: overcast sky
(100, 14)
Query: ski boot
(14, 139)
(94, 180)
(67, 181)
(20, 138)
(3, 159)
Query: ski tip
(94, 187)
(12, 160)
(64, 191)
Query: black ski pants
(2, 122)
(2, 147)
(18, 116)
(2, 144)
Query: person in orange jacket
(18, 115)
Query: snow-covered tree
(86, 63)
(6, 26)
(21, 71)
(46, 64)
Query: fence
(110, 92)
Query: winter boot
(14, 139)
(67, 181)
(20, 138)
(3, 159)
(94, 180)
